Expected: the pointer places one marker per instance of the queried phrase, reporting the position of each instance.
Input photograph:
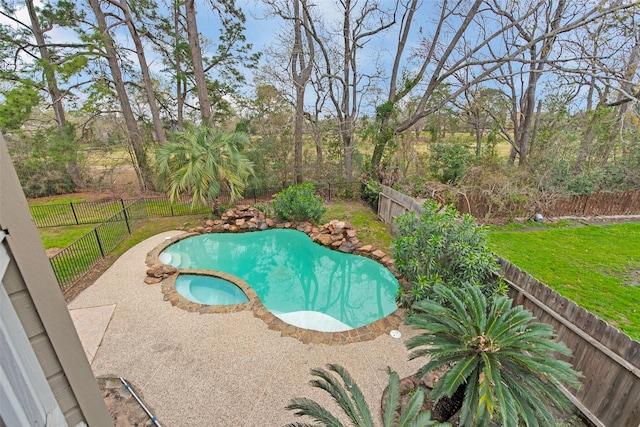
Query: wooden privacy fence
(608, 359)
(392, 203)
(598, 204)
(626, 203)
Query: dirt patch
(632, 277)
(123, 407)
(608, 220)
(107, 178)
(51, 252)
(88, 196)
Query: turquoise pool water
(209, 290)
(301, 282)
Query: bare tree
(628, 92)
(301, 62)
(539, 33)
(345, 81)
(301, 65)
(489, 37)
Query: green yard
(61, 237)
(597, 267)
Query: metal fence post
(126, 218)
(95, 231)
(74, 213)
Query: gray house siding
(34, 329)
(33, 291)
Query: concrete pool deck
(219, 369)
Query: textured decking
(218, 369)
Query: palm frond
(458, 375)
(392, 402)
(362, 413)
(311, 408)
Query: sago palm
(201, 161)
(502, 359)
(349, 397)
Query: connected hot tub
(209, 290)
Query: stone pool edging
(336, 235)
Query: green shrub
(299, 202)
(265, 208)
(40, 177)
(449, 161)
(370, 192)
(442, 247)
(41, 161)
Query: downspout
(133, 393)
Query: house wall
(33, 290)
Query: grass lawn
(61, 237)
(597, 267)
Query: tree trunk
(446, 407)
(198, 69)
(628, 88)
(347, 141)
(587, 139)
(301, 72)
(319, 158)
(146, 76)
(385, 133)
(526, 117)
(524, 140)
(348, 67)
(383, 136)
(143, 170)
(54, 93)
(180, 81)
(536, 126)
(297, 135)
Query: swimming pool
(299, 281)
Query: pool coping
(307, 336)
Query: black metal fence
(77, 259)
(68, 214)
(59, 214)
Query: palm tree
(351, 400)
(503, 362)
(201, 161)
